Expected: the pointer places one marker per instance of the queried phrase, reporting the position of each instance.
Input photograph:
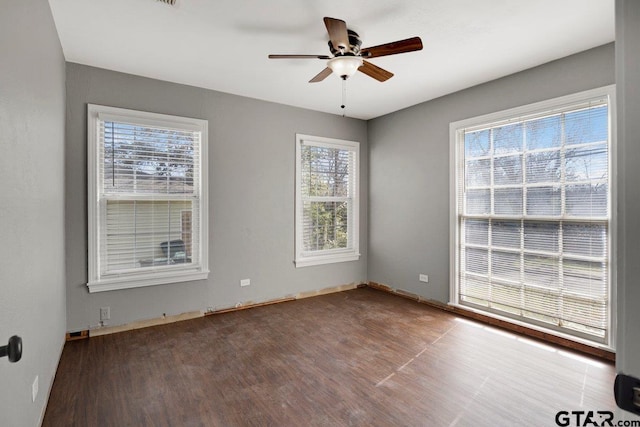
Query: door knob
(13, 349)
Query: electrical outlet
(245, 282)
(424, 278)
(34, 389)
(105, 313)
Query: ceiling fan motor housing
(353, 48)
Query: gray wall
(628, 94)
(251, 198)
(409, 167)
(32, 281)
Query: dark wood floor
(360, 357)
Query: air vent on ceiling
(170, 2)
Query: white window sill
(140, 280)
(325, 259)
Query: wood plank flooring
(355, 358)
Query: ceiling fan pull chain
(344, 95)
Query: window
(147, 198)
(531, 235)
(326, 200)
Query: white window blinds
(327, 198)
(534, 218)
(148, 198)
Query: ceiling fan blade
(299, 57)
(337, 30)
(374, 71)
(321, 75)
(400, 46)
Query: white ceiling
(223, 44)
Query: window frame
(538, 109)
(352, 252)
(96, 212)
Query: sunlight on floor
(534, 343)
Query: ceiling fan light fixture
(345, 66)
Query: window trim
(135, 279)
(531, 111)
(305, 259)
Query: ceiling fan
(347, 57)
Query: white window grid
(459, 270)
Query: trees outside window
(531, 233)
(147, 198)
(326, 200)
